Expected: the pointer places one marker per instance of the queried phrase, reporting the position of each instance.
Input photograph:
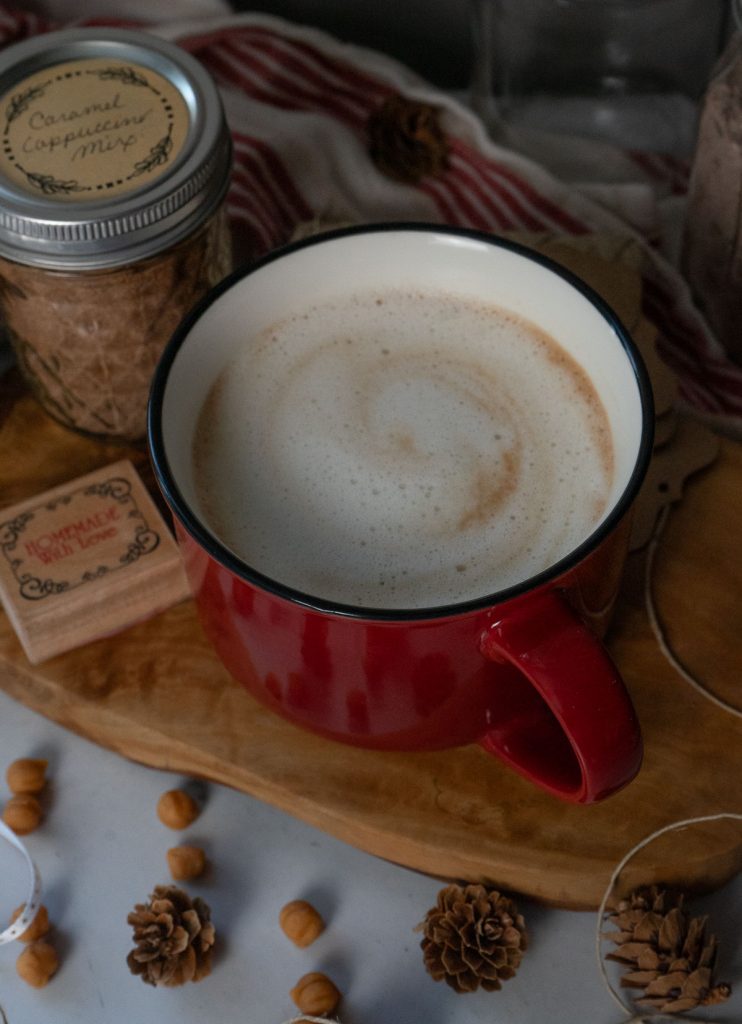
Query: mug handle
(573, 730)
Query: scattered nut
(26, 775)
(315, 994)
(22, 813)
(177, 809)
(37, 963)
(38, 927)
(301, 923)
(186, 862)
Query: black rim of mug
(204, 537)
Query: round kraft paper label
(90, 129)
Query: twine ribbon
(658, 629)
(673, 826)
(664, 645)
(33, 898)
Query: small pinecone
(174, 938)
(473, 937)
(668, 953)
(405, 139)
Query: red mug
(521, 671)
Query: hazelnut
(22, 813)
(38, 927)
(301, 923)
(186, 862)
(177, 809)
(315, 994)
(26, 775)
(37, 963)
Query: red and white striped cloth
(297, 102)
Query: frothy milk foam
(402, 450)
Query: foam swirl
(402, 451)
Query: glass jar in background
(114, 166)
(629, 72)
(712, 240)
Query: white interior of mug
(455, 263)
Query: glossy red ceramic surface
(525, 678)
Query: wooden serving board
(157, 694)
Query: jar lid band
(114, 146)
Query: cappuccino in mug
(401, 461)
(401, 449)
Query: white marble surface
(101, 849)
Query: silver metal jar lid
(114, 147)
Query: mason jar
(114, 167)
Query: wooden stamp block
(86, 559)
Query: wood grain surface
(157, 694)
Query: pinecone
(405, 139)
(473, 937)
(669, 954)
(174, 938)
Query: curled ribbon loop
(33, 898)
(675, 826)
